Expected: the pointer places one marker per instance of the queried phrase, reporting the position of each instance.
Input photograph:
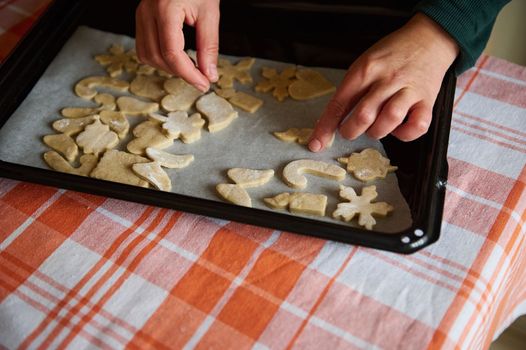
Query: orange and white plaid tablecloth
(82, 271)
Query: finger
(392, 114)
(417, 123)
(148, 50)
(207, 40)
(170, 21)
(366, 111)
(139, 34)
(348, 93)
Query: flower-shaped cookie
(368, 165)
(117, 60)
(277, 82)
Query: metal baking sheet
(248, 142)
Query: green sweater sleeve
(469, 22)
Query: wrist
(433, 34)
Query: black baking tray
(313, 33)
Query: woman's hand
(397, 77)
(160, 39)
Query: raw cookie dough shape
(234, 194)
(116, 166)
(277, 83)
(145, 69)
(148, 86)
(105, 101)
(361, 205)
(63, 144)
(368, 165)
(180, 125)
(248, 178)
(58, 163)
(293, 172)
(309, 84)
(181, 95)
(299, 203)
(71, 127)
(169, 160)
(117, 60)
(148, 134)
(298, 135)
(154, 174)
(86, 87)
(116, 121)
(228, 72)
(217, 110)
(132, 106)
(97, 138)
(240, 99)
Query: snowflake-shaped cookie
(228, 72)
(279, 83)
(368, 165)
(361, 205)
(118, 60)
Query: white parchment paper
(247, 143)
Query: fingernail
(315, 145)
(212, 72)
(202, 88)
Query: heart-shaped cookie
(310, 84)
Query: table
(84, 271)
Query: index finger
(170, 21)
(350, 91)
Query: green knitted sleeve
(469, 22)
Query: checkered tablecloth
(83, 271)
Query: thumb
(207, 40)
